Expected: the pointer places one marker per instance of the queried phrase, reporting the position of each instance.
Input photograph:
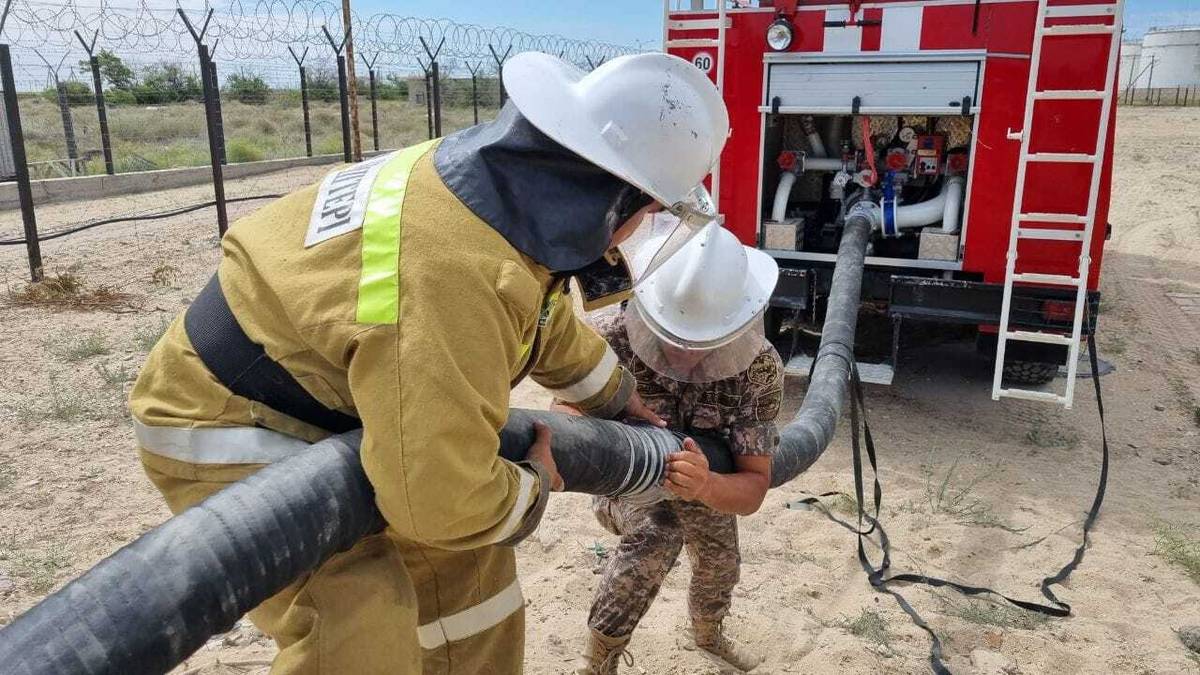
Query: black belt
(244, 367)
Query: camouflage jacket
(740, 409)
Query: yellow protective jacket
(421, 333)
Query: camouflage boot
(708, 636)
(601, 654)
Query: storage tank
(1175, 53)
(1130, 66)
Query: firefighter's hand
(566, 408)
(687, 471)
(636, 408)
(540, 452)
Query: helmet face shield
(684, 361)
(692, 214)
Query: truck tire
(1029, 372)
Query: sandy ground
(983, 492)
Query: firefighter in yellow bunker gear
(407, 295)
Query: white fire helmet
(653, 120)
(699, 316)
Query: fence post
(304, 99)
(428, 99)
(101, 107)
(347, 155)
(370, 64)
(218, 116)
(475, 88)
(64, 107)
(16, 137)
(351, 78)
(64, 111)
(215, 142)
(500, 70)
(1176, 96)
(435, 84)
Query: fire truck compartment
(916, 83)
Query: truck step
(1068, 94)
(1078, 29)
(1091, 11)
(1039, 336)
(1030, 395)
(871, 373)
(1060, 235)
(692, 42)
(1063, 157)
(698, 24)
(1071, 218)
(1055, 279)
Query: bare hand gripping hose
(155, 601)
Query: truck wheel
(1030, 372)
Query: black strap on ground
(246, 369)
(877, 575)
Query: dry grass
(145, 337)
(81, 348)
(987, 613)
(869, 625)
(1179, 546)
(174, 135)
(954, 495)
(1051, 433)
(164, 275)
(39, 569)
(68, 291)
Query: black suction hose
(151, 604)
(808, 434)
(155, 601)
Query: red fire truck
(980, 131)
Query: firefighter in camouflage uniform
(693, 340)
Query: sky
(639, 22)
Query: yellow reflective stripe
(379, 283)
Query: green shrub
(77, 92)
(119, 97)
(167, 83)
(241, 150)
(323, 86)
(248, 89)
(112, 69)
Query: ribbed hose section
(599, 457)
(810, 431)
(151, 604)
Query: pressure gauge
(780, 34)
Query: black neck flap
(548, 202)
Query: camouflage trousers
(651, 538)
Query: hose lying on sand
(151, 604)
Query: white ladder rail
(720, 24)
(1085, 259)
(1084, 236)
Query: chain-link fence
(163, 98)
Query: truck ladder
(720, 24)
(1093, 19)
